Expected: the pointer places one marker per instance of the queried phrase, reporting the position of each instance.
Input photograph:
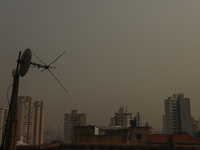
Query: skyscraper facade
(177, 116)
(122, 118)
(25, 119)
(30, 117)
(3, 118)
(72, 120)
(38, 110)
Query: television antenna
(23, 65)
(10, 132)
(47, 67)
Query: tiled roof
(184, 139)
(158, 139)
(174, 139)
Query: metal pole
(12, 124)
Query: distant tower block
(122, 118)
(25, 119)
(38, 125)
(31, 120)
(72, 120)
(177, 116)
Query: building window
(139, 136)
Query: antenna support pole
(12, 124)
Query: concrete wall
(85, 130)
(132, 135)
(101, 139)
(88, 134)
(139, 135)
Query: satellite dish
(25, 62)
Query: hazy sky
(132, 53)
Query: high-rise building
(3, 118)
(72, 120)
(38, 110)
(177, 116)
(30, 119)
(25, 119)
(122, 118)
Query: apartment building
(70, 121)
(30, 116)
(177, 118)
(122, 118)
(38, 110)
(25, 119)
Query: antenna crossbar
(41, 66)
(47, 67)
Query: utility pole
(9, 141)
(10, 133)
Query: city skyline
(118, 53)
(121, 118)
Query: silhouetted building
(177, 118)
(72, 120)
(144, 142)
(122, 118)
(111, 135)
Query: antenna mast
(11, 129)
